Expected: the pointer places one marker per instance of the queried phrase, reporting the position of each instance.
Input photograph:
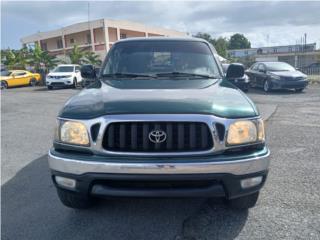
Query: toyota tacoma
(162, 120)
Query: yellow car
(14, 78)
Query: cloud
(264, 23)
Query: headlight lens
(74, 133)
(275, 77)
(261, 133)
(242, 132)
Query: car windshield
(63, 69)
(156, 59)
(279, 66)
(5, 73)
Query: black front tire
(266, 86)
(50, 87)
(33, 82)
(299, 90)
(244, 202)
(4, 85)
(74, 200)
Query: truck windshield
(183, 59)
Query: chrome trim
(210, 120)
(236, 167)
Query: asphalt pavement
(288, 207)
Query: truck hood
(216, 97)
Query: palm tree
(36, 57)
(39, 57)
(76, 55)
(49, 61)
(9, 58)
(92, 58)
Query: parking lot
(288, 207)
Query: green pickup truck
(162, 120)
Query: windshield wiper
(184, 74)
(129, 75)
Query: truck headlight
(74, 133)
(245, 131)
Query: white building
(97, 36)
(239, 53)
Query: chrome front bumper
(246, 165)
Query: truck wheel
(244, 202)
(74, 200)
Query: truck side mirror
(235, 70)
(88, 71)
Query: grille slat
(180, 137)
(122, 134)
(134, 142)
(192, 136)
(145, 136)
(204, 139)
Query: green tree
(205, 36)
(239, 41)
(49, 61)
(91, 58)
(23, 57)
(221, 45)
(39, 58)
(76, 55)
(9, 58)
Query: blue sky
(264, 23)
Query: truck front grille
(157, 137)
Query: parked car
(242, 83)
(314, 65)
(66, 75)
(161, 121)
(15, 78)
(276, 75)
(87, 68)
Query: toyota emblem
(157, 136)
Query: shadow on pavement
(32, 210)
(274, 92)
(45, 89)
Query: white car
(64, 76)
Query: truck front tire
(244, 202)
(74, 200)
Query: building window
(71, 40)
(59, 43)
(88, 38)
(275, 50)
(44, 46)
(290, 49)
(246, 52)
(123, 35)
